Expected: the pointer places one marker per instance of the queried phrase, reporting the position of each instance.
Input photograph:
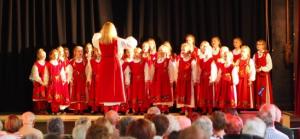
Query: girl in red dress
(217, 86)
(38, 77)
(125, 61)
(190, 39)
(64, 61)
(162, 81)
(152, 51)
(228, 81)
(186, 78)
(92, 79)
(216, 44)
(246, 71)
(263, 65)
(78, 82)
(208, 75)
(237, 43)
(110, 87)
(57, 79)
(138, 77)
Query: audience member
(174, 135)
(81, 127)
(12, 125)
(192, 132)
(154, 110)
(267, 113)
(219, 124)
(123, 124)
(161, 123)
(55, 126)
(113, 117)
(254, 127)
(173, 124)
(141, 129)
(234, 125)
(28, 119)
(205, 123)
(98, 131)
(104, 122)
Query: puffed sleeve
(127, 75)
(34, 75)
(88, 72)
(235, 76)
(147, 72)
(69, 70)
(252, 70)
(195, 71)
(269, 65)
(46, 76)
(213, 72)
(63, 74)
(171, 71)
(95, 39)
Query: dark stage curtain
(26, 25)
(297, 60)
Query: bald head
(28, 118)
(267, 112)
(278, 115)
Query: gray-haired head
(254, 126)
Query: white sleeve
(171, 71)
(151, 72)
(194, 71)
(88, 72)
(127, 75)
(147, 73)
(95, 40)
(70, 73)
(176, 70)
(269, 65)
(34, 76)
(46, 76)
(63, 74)
(235, 76)
(252, 70)
(213, 72)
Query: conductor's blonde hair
(108, 32)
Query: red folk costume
(263, 86)
(246, 71)
(216, 53)
(124, 107)
(78, 85)
(111, 85)
(161, 84)
(205, 91)
(139, 96)
(94, 79)
(55, 85)
(185, 83)
(38, 77)
(236, 54)
(217, 84)
(228, 81)
(66, 92)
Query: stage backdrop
(26, 25)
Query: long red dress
(124, 107)
(205, 92)
(244, 87)
(78, 86)
(138, 92)
(39, 91)
(161, 85)
(227, 87)
(263, 86)
(55, 86)
(184, 87)
(111, 85)
(93, 86)
(66, 92)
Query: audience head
(234, 124)
(55, 126)
(218, 120)
(81, 127)
(105, 122)
(52, 136)
(184, 122)
(97, 131)
(28, 118)
(12, 124)
(1, 125)
(254, 126)
(154, 110)
(141, 129)
(192, 132)
(267, 113)
(113, 117)
(161, 123)
(205, 124)
(174, 135)
(123, 124)
(30, 136)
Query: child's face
(137, 53)
(244, 53)
(61, 51)
(215, 42)
(78, 53)
(67, 52)
(260, 46)
(145, 47)
(54, 55)
(237, 43)
(190, 40)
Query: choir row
(207, 77)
